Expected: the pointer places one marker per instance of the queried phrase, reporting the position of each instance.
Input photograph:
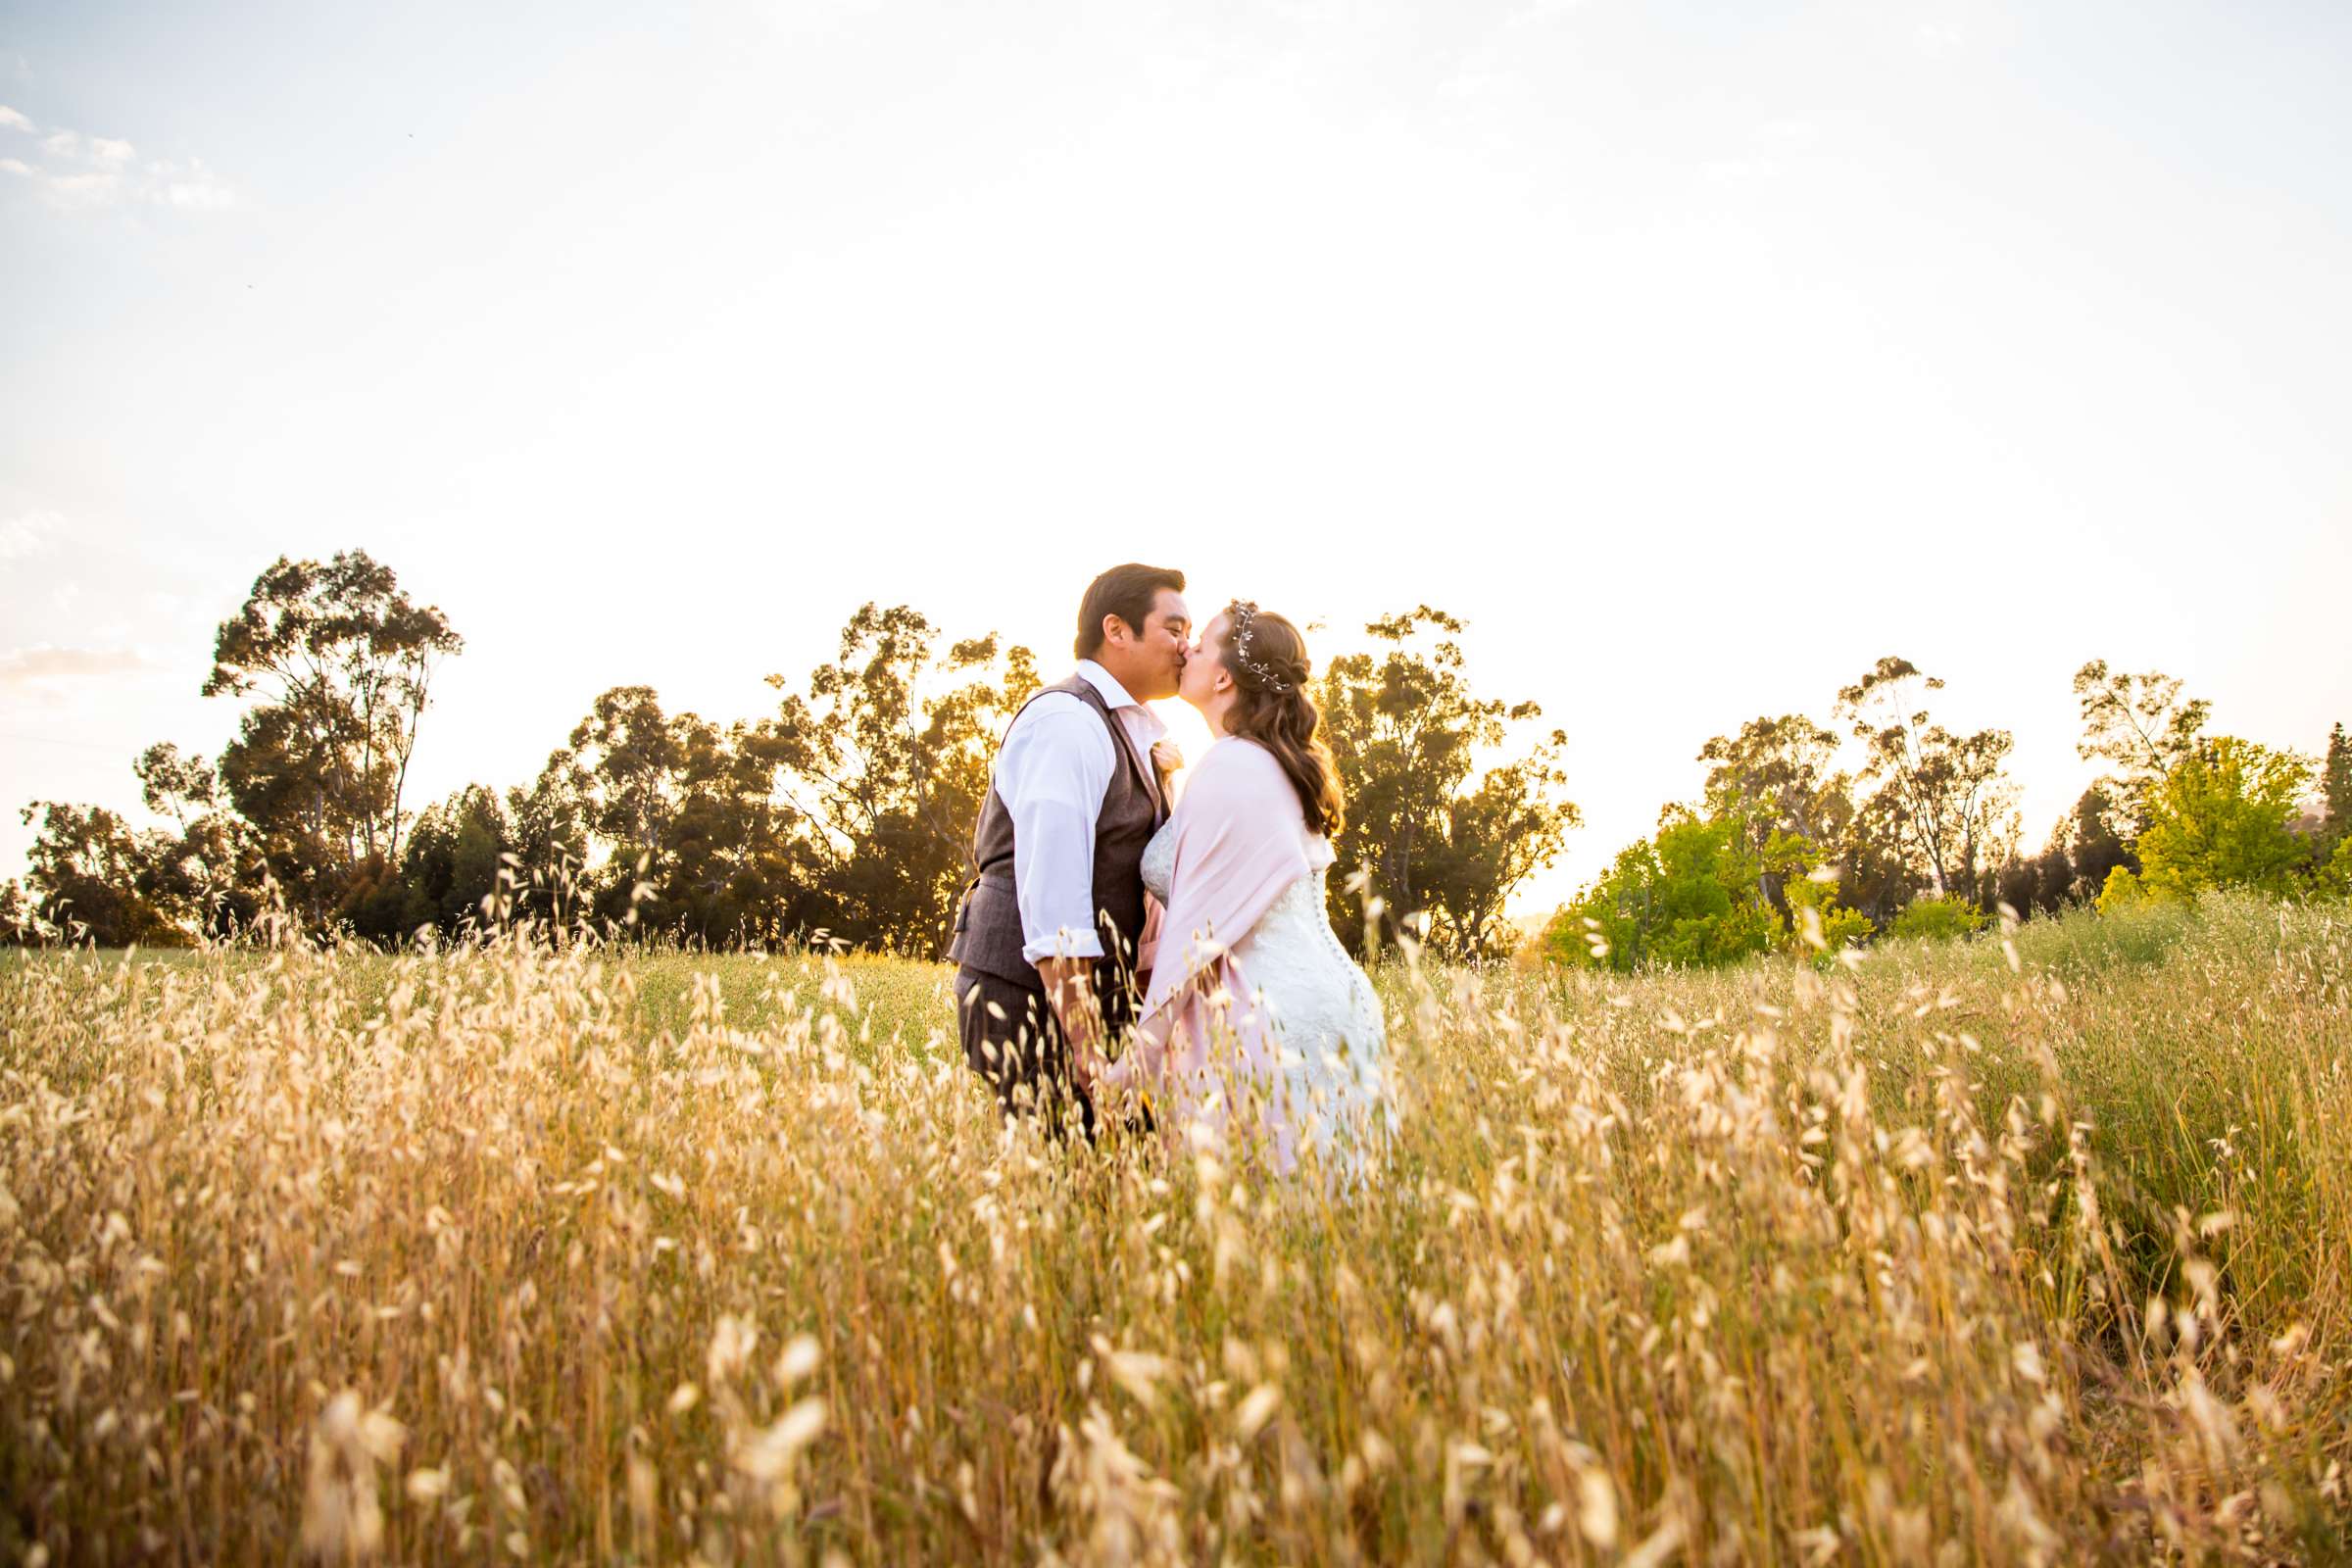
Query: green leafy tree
(2052, 882)
(886, 757)
(2040, 884)
(1780, 777)
(456, 868)
(654, 791)
(2095, 847)
(1784, 773)
(1878, 873)
(1445, 841)
(629, 754)
(665, 821)
(2141, 727)
(743, 870)
(1938, 919)
(85, 870)
(1689, 896)
(2335, 874)
(1815, 912)
(340, 661)
(2121, 891)
(2222, 818)
(1504, 830)
(551, 844)
(2335, 794)
(2055, 880)
(209, 875)
(1944, 797)
(19, 926)
(2073, 866)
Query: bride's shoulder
(1237, 755)
(1238, 774)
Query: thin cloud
(197, 187)
(81, 171)
(21, 667)
(84, 189)
(14, 120)
(29, 534)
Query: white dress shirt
(1055, 765)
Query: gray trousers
(1015, 1042)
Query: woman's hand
(1166, 759)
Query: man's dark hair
(1127, 592)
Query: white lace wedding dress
(1325, 1016)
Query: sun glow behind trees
(848, 811)
(844, 815)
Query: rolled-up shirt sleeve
(1051, 774)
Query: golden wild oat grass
(2030, 1252)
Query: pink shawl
(1203, 1045)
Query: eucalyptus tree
(2141, 727)
(885, 756)
(1453, 801)
(1945, 797)
(340, 661)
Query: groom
(1046, 937)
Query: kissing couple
(1142, 955)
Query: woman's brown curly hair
(1267, 658)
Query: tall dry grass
(1967, 1255)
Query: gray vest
(988, 925)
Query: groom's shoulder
(1052, 708)
(1068, 695)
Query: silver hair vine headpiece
(1245, 617)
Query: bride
(1257, 1023)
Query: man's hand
(1070, 992)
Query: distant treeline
(1788, 849)
(848, 810)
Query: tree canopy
(847, 811)
(1943, 795)
(1445, 819)
(338, 662)
(1905, 827)
(1688, 896)
(2224, 816)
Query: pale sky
(1697, 355)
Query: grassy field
(2036, 1251)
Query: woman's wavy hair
(1267, 658)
